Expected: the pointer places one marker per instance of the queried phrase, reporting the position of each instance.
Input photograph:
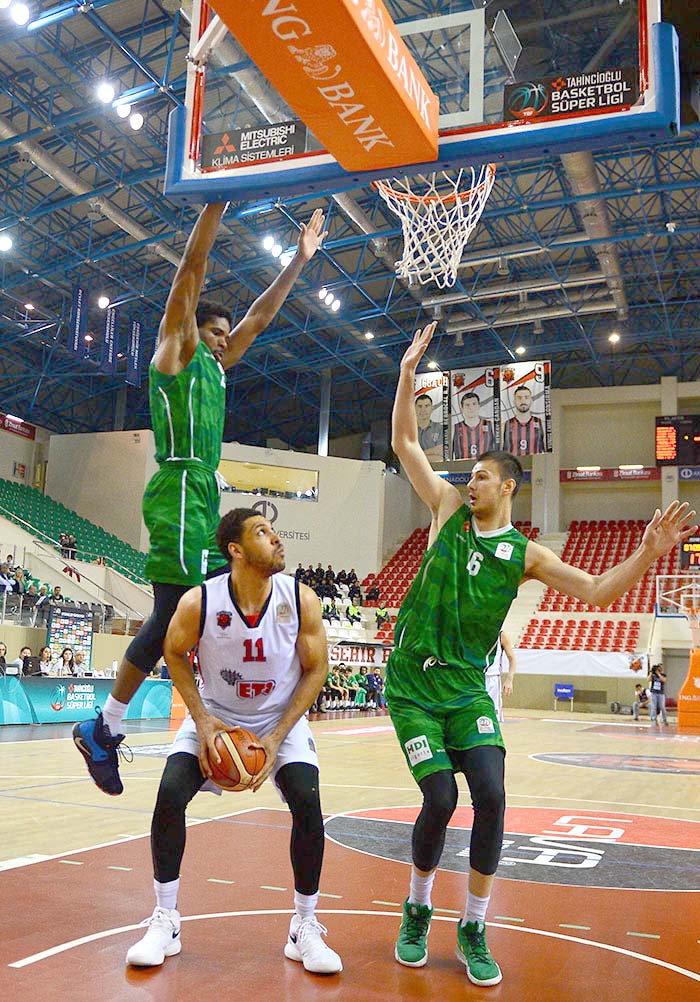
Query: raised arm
(661, 535)
(267, 305)
(181, 638)
(312, 649)
(178, 336)
(442, 498)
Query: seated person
(352, 614)
(3, 657)
(378, 698)
(373, 594)
(330, 611)
(80, 663)
(382, 615)
(354, 593)
(641, 700)
(45, 659)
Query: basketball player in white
(498, 682)
(263, 659)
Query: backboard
(515, 80)
(678, 595)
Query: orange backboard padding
(689, 695)
(343, 68)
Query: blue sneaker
(98, 746)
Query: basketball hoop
(693, 617)
(437, 219)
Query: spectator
(3, 656)
(641, 700)
(41, 609)
(341, 577)
(6, 579)
(657, 694)
(56, 595)
(352, 576)
(63, 543)
(45, 660)
(71, 544)
(382, 615)
(373, 594)
(79, 663)
(352, 614)
(10, 561)
(330, 611)
(299, 573)
(64, 665)
(24, 654)
(19, 582)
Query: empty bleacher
(47, 519)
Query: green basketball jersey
(187, 410)
(454, 610)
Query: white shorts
(298, 746)
(493, 687)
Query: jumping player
(187, 395)
(263, 660)
(446, 629)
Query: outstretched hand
(668, 530)
(418, 347)
(312, 236)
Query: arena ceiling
(568, 251)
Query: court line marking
(622, 951)
(359, 811)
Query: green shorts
(181, 512)
(431, 721)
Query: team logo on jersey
(467, 527)
(230, 677)
(283, 613)
(504, 551)
(484, 725)
(418, 749)
(223, 619)
(251, 689)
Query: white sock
(419, 893)
(475, 909)
(113, 713)
(166, 894)
(305, 904)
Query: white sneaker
(305, 944)
(162, 939)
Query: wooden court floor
(598, 895)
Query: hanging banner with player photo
(475, 412)
(526, 408)
(431, 396)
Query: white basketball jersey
(249, 671)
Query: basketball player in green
(187, 396)
(446, 633)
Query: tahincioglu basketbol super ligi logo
(58, 697)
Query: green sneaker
(472, 950)
(412, 944)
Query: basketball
(239, 762)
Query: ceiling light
(136, 121)
(89, 338)
(322, 293)
(276, 250)
(329, 298)
(369, 335)
(286, 258)
(4, 4)
(268, 243)
(19, 13)
(105, 92)
(123, 110)
(520, 350)
(432, 365)
(502, 268)
(120, 354)
(29, 307)
(103, 302)
(336, 305)
(5, 242)
(614, 338)
(587, 469)
(630, 466)
(537, 327)
(13, 417)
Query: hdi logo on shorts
(484, 725)
(418, 749)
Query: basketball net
(693, 617)
(437, 219)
